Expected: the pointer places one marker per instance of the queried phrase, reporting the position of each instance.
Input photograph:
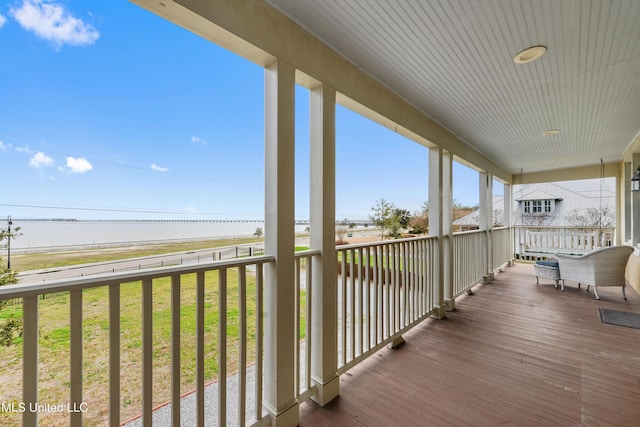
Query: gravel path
(162, 415)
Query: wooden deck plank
(513, 353)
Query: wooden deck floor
(512, 354)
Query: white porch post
(324, 326)
(635, 204)
(624, 229)
(486, 220)
(447, 230)
(507, 218)
(279, 343)
(436, 227)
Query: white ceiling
(454, 61)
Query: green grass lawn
(373, 261)
(54, 346)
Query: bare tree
(341, 231)
(601, 217)
(588, 219)
(498, 218)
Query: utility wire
(75, 208)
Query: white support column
(635, 204)
(436, 227)
(486, 220)
(624, 229)
(618, 208)
(280, 293)
(447, 230)
(324, 326)
(507, 218)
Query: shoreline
(363, 235)
(136, 244)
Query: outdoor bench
(549, 243)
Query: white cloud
(2, 20)
(78, 165)
(4, 147)
(198, 140)
(54, 23)
(40, 159)
(25, 149)
(158, 168)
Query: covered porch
(510, 353)
(404, 347)
(513, 353)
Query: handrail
(560, 227)
(21, 291)
(459, 233)
(384, 242)
(307, 253)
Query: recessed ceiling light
(550, 132)
(529, 54)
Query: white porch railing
(304, 280)
(209, 278)
(469, 260)
(530, 240)
(502, 252)
(384, 289)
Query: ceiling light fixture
(529, 54)
(551, 132)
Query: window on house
(538, 206)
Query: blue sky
(108, 111)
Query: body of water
(61, 233)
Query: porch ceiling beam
(258, 32)
(611, 170)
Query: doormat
(620, 318)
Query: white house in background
(547, 204)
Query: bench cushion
(548, 263)
(548, 270)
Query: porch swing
(546, 244)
